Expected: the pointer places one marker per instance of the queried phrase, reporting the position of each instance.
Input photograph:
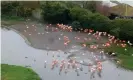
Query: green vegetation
(13, 12)
(10, 20)
(15, 9)
(55, 12)
(124, 56)
(58, 12)
(122, 29)
(75, 25)
(12, 72)
(127, 61)
(91, 5)
(80, 15)
(5, 17)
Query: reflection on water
(16, 51)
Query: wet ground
(41, 37)
(16, 51)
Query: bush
(88, 19)
(55, 12)
(8, 8)
(75, 25)
(15, 9)
(58, 12)
(70, 4)
(90, 5)
(126, 30)
(122, 28)
(115, 31)
(24, 11)
(115, 27)
(99, 22)
(81, 15)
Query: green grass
(15, 18)
(125, 57)
(120, 50)
(127, 61)
(10, 20)
(12, 72)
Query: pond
(15, 50)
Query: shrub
(8, 8)
(75, 25)
(81, 15)
(70, 4)
(55, 12)
(15, 9)
(24, 11)
(115, 31)
(99, 22)
(126, 30)
(90, 5)
(88, 19)
(122, 28)
(115, 28)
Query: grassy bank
(12, 72)
(10, 20)
(123, 55)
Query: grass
(12, 72)
(10, 20)
(125, 56)
(127, 61)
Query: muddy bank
(41, 38)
